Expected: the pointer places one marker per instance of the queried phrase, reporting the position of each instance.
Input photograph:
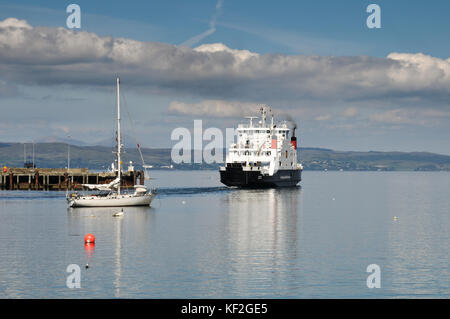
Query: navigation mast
(119, 142)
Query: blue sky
(407, 26)
(406, 119)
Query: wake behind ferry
(263, 156)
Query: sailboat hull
(111, 201)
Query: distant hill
(127, 141)
(320, 159)
(56, 139)
(54, 155)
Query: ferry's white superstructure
(263, 155)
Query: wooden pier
(61, 179)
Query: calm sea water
(202, 240)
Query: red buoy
(89, 238)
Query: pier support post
(11, 181)
(66, 180)
(36, 181)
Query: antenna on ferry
(271, 124)
(251, 119)
(263, 116)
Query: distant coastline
(54, 155)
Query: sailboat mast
(119, 142)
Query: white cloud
(350, 112)
(324, 117)
(14, 23)
(54, 56)
(419, 70)
(424, 117)
(240, 55)
(214, 108)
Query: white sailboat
(110, 195)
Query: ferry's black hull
(236, 176)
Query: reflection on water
(118, 249)
(264, 226)
(89, 248)
(86, 219)
(256, 235)
(203, 240)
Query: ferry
(264, 156)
